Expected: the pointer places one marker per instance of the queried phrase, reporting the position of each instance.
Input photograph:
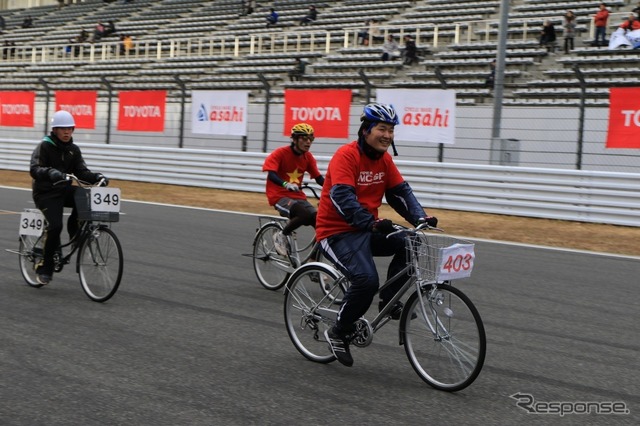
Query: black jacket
(51, 153)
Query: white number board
(456, 262)
(31, 223)
(105, 199)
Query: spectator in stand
(631, 23)
(491, 78)
(298, 70)
(126, 44)
(410, 50)
(310, 17)
(390, 50)
(548, 36)
(569, 31)
(600, 20)
(250, 5)
(83, 36)
(9, 49)
(3, 24)
(98, 32)
(370, 30)
(635, 10)
(272, 17)
(109, 29)
(27, 22)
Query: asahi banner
(425, 115)
(219, 112)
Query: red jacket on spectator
(601, 17)
(630, 25)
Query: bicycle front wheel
(30, 254)
(443, 337)
(310, 307)
(100, 264)
(270, 267)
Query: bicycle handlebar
(313, 190)
(422, 226)
(72, 177)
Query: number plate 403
(456, 262)
(31, 223)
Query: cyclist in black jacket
(55, 157)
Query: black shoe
(43, 279)
(396, 311)
(339, 345)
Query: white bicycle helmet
(62, 119)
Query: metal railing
(586, 196)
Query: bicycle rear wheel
(30, 249)
(310, 308)
(446, 346)
(100, 264)
(270, 267)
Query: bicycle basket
(98, 204)
(437, 257)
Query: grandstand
(214, 44)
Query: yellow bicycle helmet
(302, 129)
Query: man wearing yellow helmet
(285, 169)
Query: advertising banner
(425, 115)
(16, 109)
(624, 118)
(219, 112)
(80, 104)
(142, 111)
(327, 111)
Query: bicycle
(99, 259)
(440, 328)
(272, 269)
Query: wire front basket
(438, 257)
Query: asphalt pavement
(191, 338)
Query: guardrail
(585, 196)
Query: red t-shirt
(370, 178)
(291, 168)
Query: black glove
(100, 176)
(56, 175)
(429, 220)
(383, 226)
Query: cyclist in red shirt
(348, 228)
(286, 167)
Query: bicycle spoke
(445, 343)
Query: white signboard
(425, 115)
(104, 199)
(31, 223)
(456, 262)
(219, 112)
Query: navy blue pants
(352, 253)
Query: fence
(599, 197)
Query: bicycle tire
(267, 263)
(29, 246)
(100, 264)
(309, 311)
(451, 359)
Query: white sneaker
(280, 243)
